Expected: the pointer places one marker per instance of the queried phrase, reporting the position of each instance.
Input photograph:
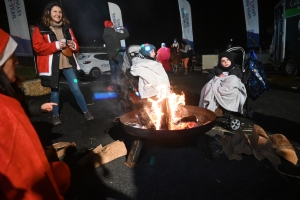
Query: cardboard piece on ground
(60, 145)
(258, 155)
(62, 151)
(102, 155)
(284, 148)
(226, 145)
(271, 156)
(259, 139)
(240, 143)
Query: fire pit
(127, 120)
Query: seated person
(224, 87)
(25, 172)
(153, 79)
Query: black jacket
(112, 41)
(216, 71)
(31, 107)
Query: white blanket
(153, 79)
(228, 92)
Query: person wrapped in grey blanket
(224, 87)
(153, 79)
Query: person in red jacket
(55, 44)
(163, 56)
(25, 172)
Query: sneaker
(56, 120)
(88, 116)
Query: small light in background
(105, 95)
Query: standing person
(25, 172)
(112, 37)
(175, 56)
(176, 45)
(185, 55)
(163, 56)
(55, 45)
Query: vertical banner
(252, 25)
(186, 22)
(291, 8)
(18, 26)
(116, 18)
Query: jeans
(115, 77)
(73, 83)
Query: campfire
(165, 120)
(166, 114)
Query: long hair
(47, 14)
(6, 87)
(13, 90)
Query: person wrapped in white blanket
(224, 88)
(153, 79)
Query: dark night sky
(157, 21)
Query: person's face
(225, 62)
(9, 68)
(56, 14)
(152, 53)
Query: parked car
(93, 64)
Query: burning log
(166, 122)
(145, 119)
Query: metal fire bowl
(170, 134)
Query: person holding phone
(55, 44)
(112, 36)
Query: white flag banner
(186, 21)
(116, 18)
(252, 25)
(18, 26)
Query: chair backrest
(240, 59)
(131, 52)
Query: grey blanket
(228, 92)
(153, 79)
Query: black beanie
(231, 56)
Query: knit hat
(146, 48)
(7, 46)
(163, 44)
(231, 56)
(108, 23)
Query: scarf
(56, 28)
(226, 68)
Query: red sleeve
(24, 171)
(41, 43)
(74, 40)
